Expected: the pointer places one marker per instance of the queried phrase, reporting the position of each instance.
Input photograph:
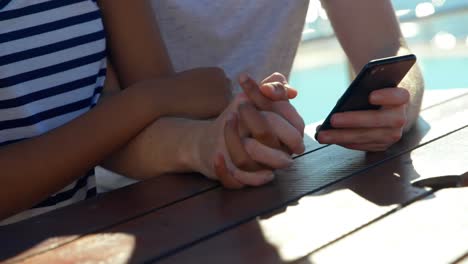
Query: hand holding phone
(354, 104)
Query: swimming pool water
(320, 87)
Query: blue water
(455, 24)
(320, 87)
(411, 4)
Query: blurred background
(436, 31)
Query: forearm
(58, 157)
(207, 92)
(136, 45)
(153, 151)
(414, 83)
(168, 145)
(366, 35)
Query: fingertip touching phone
(375, 75)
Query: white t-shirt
(259, 37)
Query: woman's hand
(254, 139)
(228, 146)
(255, 142)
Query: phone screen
(377, 74)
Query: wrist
(158, 95)
(194, 156)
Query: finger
(367, 147)
(389, 97)
(252, 90)
(277, 91)
(283, 108)
(278, 77)
(291, 91)
(257, 125)
(257, 178)
(224, 175)
(271, 158)
(286, 133)
(384, 118)
(288, 112)
(235, 147)
(360, 136)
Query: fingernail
(289, 161)
(375, 97)
(302, 150)
(299, 149)
(324, 137)
(243, 78)
(276, 89)
(270, 177)
(336, 119)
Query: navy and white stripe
(52, 70)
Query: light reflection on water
(320, 88)
(318, 26)
(440, 43)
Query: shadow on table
(391, 183)
(286, 237)
(288, 234)
(391, 187)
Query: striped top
(52, 70)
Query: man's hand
(374, 130)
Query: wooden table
(333, 206)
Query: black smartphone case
(377, 74)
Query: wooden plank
(434, 97)
(46, 234)
(462, 260)
(170, 229)
(324, 217)
(434, 230)
(55, 228)
(61, 226)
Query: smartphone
(377, 74)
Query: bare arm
(138, 53)
(60, 156)
(369, 29)
(168, 144)
(137, 49)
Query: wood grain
(56, 228)
(29, 237)
(434, 230)
(435, 97)
(181, 225)
(319, 219)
